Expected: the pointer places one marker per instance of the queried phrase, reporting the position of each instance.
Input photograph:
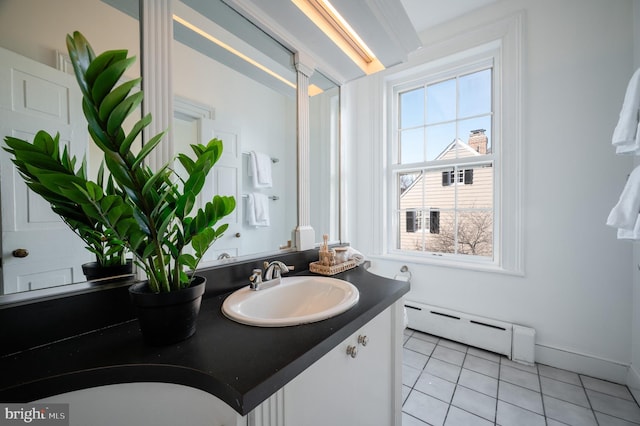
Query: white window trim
(503, 39)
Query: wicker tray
(332, 270)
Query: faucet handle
(256, 276)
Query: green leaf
(125, 146)
(160, 175)
(186, 162)
(188, 260)
(81, 55)
(115, 97)
(101, 62)
(147, 148)
(185, 204)
(149, 251)
(122, 111)
(194, 183)
(108, 78)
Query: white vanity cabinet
(361, 389)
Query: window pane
(412, 108)
(411, 191)
(407, 180)
(475, 93)
(409, 241)
(477, 189)
(412, 146)
(475, 233)
(444, 241)
(439, 195)
(476, 132)
(441, 101)
(439, 137)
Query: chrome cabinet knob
(363, 340)
(352, 351)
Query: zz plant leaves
(154, 216)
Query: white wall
(576, 291)
(36, 28)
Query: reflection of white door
(34, 96)
(225, 180)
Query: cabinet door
(339, 389)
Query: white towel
(625, 213)
(260, 169)
(353, 254)
(257, 209)
(630, 234)
(625, 135)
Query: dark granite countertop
(239, 364)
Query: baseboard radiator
(514, 341)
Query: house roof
(457, 143)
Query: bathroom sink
(296, 300)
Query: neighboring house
(450, 210)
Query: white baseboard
(633, 382)
(589, 365)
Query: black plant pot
(94, 271)
(167, 318)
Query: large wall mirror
(246, 80)
(218, 93)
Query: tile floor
(451, 384)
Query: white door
(36, 97)
(225, 180)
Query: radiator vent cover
(492, 335)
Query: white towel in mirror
(260, 169)
(257, 212)
(627, 133)
(624, 214)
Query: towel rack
(273, 159)
(271, 197)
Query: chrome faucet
(274, 269)
(272, 275)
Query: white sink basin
(296, 300)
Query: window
(443, 163)
(464, 177)
(454, 152)
(415, 221)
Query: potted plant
(37, 162)
(151, 212)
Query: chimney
(478, 141)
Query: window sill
(447, 263)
